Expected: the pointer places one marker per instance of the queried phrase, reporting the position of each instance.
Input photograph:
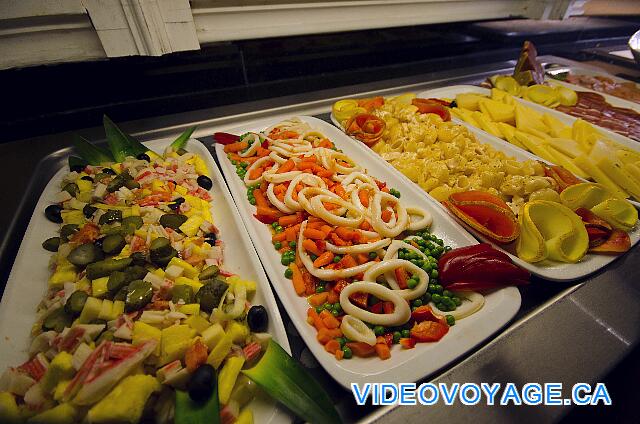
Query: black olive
(174, 206)
(200, 385)
(77, 168)
(179, 200)
(205, 182)
(98, 242)
(87, 178)
(211, 236)
(52, 212)
(258, 319)
(108, 171)
(143, 156)
(88, 211)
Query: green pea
(426, 298)
(279, 229)
(442, 307)
(342, 341)
(319, 309)
(417, 303)
(347, 352)
(327, 306)
(292, 244)
(450, 320)
(274, 225)
(337, 307)
(406, 333)
(284, 260)
(372, 255)
(447, 248)
(313, 257)
(288, 273)
(436, 298)
(320, 289)
(434, 273)
(439, 289)
(411, 283)
(447, 293)
(277, 245)
(426, 266)
(337, 259)
(456, 300)
(378, 330)
(396, 337)
(431, 288)
(335, 313)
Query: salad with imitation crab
(140, 321)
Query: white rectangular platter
(404, 365)
(612, 100)
(27, 282)
(555, 271)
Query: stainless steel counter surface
(564, 333)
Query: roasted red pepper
(429, 331)
(424, 313)
(432, 106)
(225, 138)
(479, 267)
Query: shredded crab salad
(138, 300)
(366, 261)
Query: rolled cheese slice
(401, 312)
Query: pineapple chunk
(84, 185)
(237, 331)
(143, 332)
(73, 217)
(228, 376)
(212, 335)
(91, 310)
(190, 226)
(174, 342)
(245, 417)
(189, 270)
(117, 310)
(182, 190)
(9, 411)
(219, 352)
(106, 310)
(200, 166)
(60, 368)
(65, 413)
(198, 323)
(99, 286)
(195, 285)
(190, 309)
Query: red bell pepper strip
(429, 331)
(225, 138)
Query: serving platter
(404, 365)
(27, 282)
(554, 271)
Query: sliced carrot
(279, 237)
(333, 297)
(337, 240)
(298, 282)
(288, 220)
(326, 334)
(382, 349)
(346, 233)
(326, 229)
(255, 173)
(315, 318)
(339, 354)
(318, 299)
(364, 197)
(340, 191)
(314, 234)
(309, 282)
(401, 277)
(325, 143)
(286, 167)
(347, 261)
(325, 259)
(291, 233)
(306, 165)
(362, 258)
(332, 346)
(263, 186)
(268, 212)
(361, 349)
(329, 320)
(236, 147)
(386, 215)
(388, 307)
(261, 201)
(365, 225)
(310, 246)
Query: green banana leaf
(92, 154)
(181, 141)
(288, 382)
(120, 143)
(190, 412)
(76, 161)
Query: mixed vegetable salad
(141, 321)
(366, 262)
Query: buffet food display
(139, 312)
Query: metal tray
(563, 332)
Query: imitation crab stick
(298, 281)
(236, 147)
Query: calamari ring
(257, 141)
(320, 211)
(472, 302)
(401, 312)
(308, 179)
(359, 248)
(389, 266)
(307, 192)
(276, 202)
(258, 163)
(425, 222)
(355, 329)
(379, 200)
